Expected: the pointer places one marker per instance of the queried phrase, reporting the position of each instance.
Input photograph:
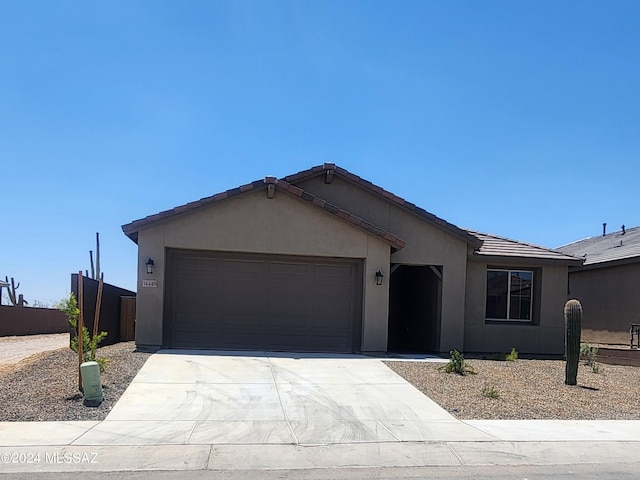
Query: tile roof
(131, 229)
(612, 247)
(321, 169)
(495, 246)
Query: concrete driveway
(195, 397)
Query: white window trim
(509, 296)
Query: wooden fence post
(80, 322)
(96, 318)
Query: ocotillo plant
(572, 329)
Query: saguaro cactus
(16, 300)
(572, 329)
(95, 273)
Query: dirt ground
(15, 349)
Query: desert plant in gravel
(69, 306)
(589, 353)
(457, 364)
(490, 392)
(573, 329)
(512, 356)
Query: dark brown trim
(531, 262)
(607, 264)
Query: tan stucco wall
(427, 244)
(610, 300)
(545, 338)
(254, 224)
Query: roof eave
(131, 229)
(395, 242)
(388, 196)
(607, 264)
(520, 260)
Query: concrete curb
(285, 457)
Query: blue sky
(515, 118)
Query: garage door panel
(289, 268)
(283, 296)
(329, 309)
(241, 268)
(331, 323)
(337, 272)
(196, 264)
(244, 301)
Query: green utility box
(91, 383)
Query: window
(510, 295)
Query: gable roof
(612, 247)
(333, 169)
(131, 229)
(495, 246)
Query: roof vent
(330, 170)
(604, 229)
(271, 186)
(623, 229)
(328, 177)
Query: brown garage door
(262, 302)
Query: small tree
(69, 306)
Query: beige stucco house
(324, 260)
(607, 284)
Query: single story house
(607, 284)
(325, 261)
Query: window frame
(508, 306)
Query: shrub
(457, 364)
(490, 392)
(512, 356)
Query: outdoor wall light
(150, 266)
(379, 277)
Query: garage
(262, 302)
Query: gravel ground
(529, 389)
(44, 387)
(526, 389)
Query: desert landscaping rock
(528, 390)
(44, 386)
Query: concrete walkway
(187, 411)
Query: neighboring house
(324, 260)
(607, 284)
